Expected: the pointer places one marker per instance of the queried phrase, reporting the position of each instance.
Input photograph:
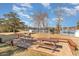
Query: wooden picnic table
(53, 47)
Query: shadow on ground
(10, 51)
(3, 45)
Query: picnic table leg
(12, 44)
(54, 47)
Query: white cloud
(75, 3)
(69, 11)
(77, 8)
(26, 5)
(55, 19)
(15, 7)
(21, 14)
(47, 5)
(18, 9)
(21, 11)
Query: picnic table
(52, 47)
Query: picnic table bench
(54, 47)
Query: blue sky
(26, 10)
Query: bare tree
(59, 18)
(40, 20)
